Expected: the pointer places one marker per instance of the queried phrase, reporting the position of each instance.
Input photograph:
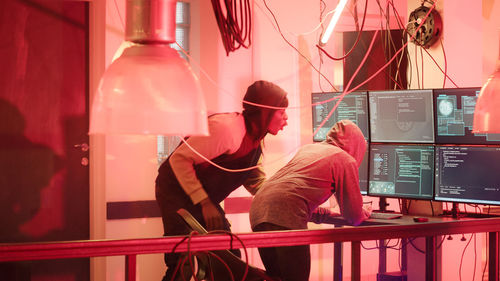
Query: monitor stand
(382, 206)
(455, 213)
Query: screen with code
(363, 174)
(404, 116)
(468, 174)
(353, 106)
(454, 116)
(401, 171)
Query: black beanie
(257, 118)
(264, 92)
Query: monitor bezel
(400, 196)
(456, 140)
(428, 92)
(458, 200)
(362, 93)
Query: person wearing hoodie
(186, 180)
(291, 197)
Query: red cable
(346, 90)
(290, 44)
(445, 63)
(362, 61)
(390, 61)
(462, 258)
(435, 62)
(373, 75)
(422, 60)
(416, 67)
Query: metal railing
(130, 248)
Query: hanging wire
(391, 46)
(234, 20)
(416, 67)
(475, 258)
(398, 74)
(486, 263)
(422, 60)
(445, 62)
(462, 258)
(346, 91)
(406, 31)
(322, 8)
(293, 47)
(119, 15)
(394, 56)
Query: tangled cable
(203, 258)
(235, 23)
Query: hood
(347, 136)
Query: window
(167, 144)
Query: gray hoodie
(317, 171)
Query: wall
(471, 45)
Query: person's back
(287, 200)
(300, 186)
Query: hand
(211, 215)
(321, 215)
(367, 210)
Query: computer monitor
(468, 174)
(354, 107)
(454, 116)
(363, 175)
(403, 116)
(401, 171)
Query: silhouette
(27, 168)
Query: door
(44, 173)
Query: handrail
(405, 228)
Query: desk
(370, 230)
(405, 227)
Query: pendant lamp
(487, 111)
(149, 89)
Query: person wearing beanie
(290, 198)
(185, 180)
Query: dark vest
(217, 183)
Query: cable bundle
(235, 23)
(213, 265)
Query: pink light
(150, 89)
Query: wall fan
(431, 29)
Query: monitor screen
(468, 174)
(401, 171)
(363, 175)
(454, 116)
(353, 106)
(401, 116)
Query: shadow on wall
(26, 168)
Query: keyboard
(385, 216)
